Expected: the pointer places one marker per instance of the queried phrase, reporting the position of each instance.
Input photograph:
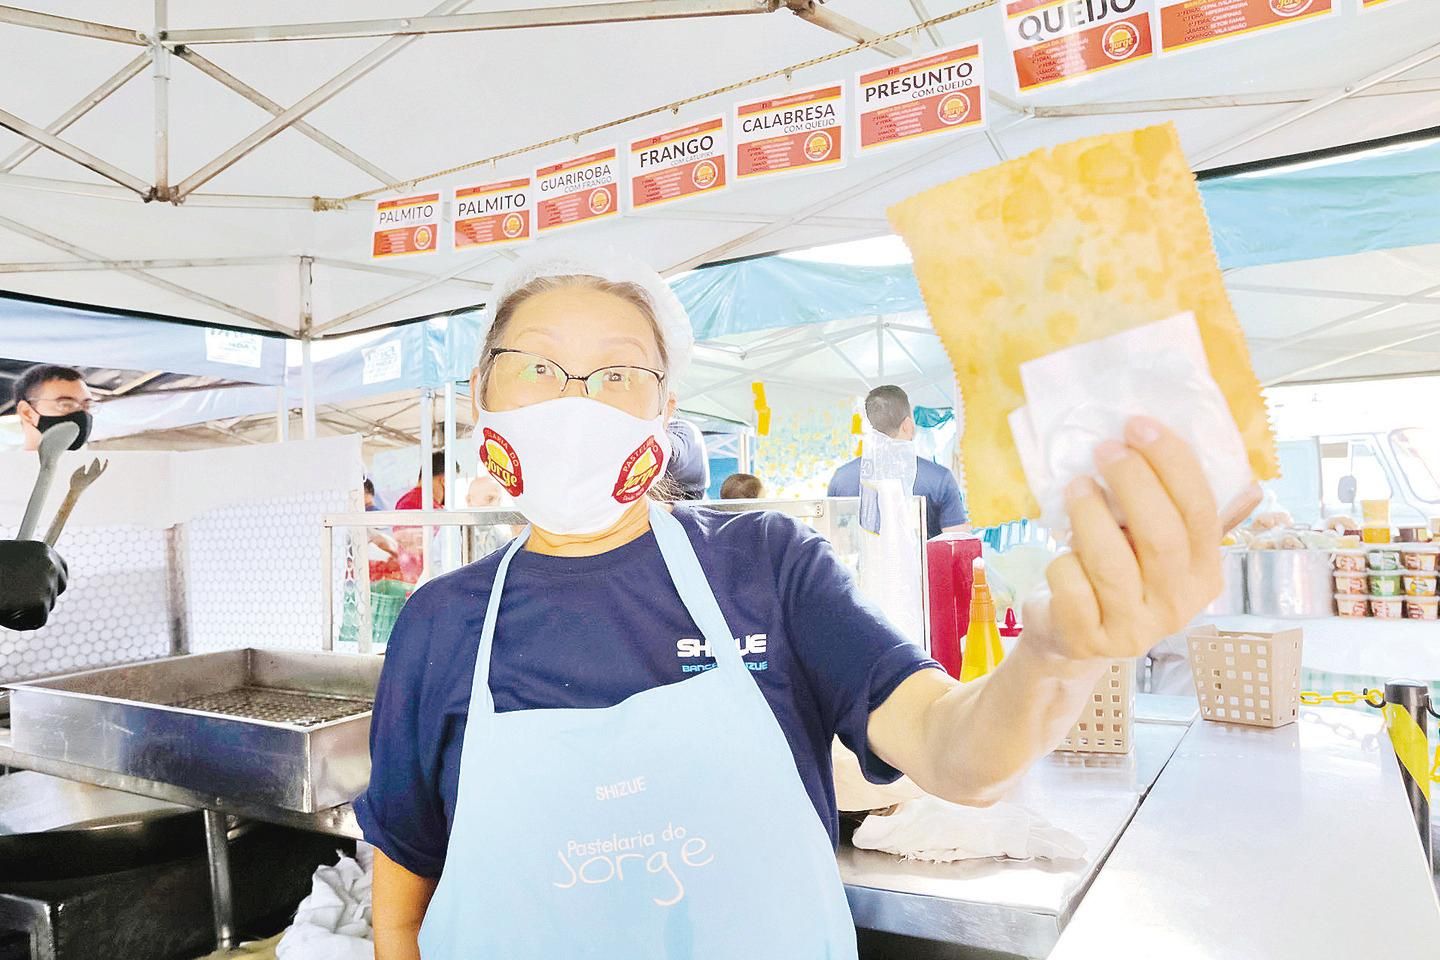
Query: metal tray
(280, 729)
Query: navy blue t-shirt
(944, 506)
(586, 632)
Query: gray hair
(887, 407)
(632, 293)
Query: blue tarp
(770, 292)
(1377, 200)
(74, 336)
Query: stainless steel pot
(1289, 583)
(1231, 601)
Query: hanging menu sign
(938, 93)
(1053, 41)
(789, 134)
(1372, 4)
(578, 191)
(488, 214)
(1185, 24)
(678, 164)
(405, 226)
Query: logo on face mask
(500, 459)
(639, 471)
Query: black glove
(31, 577)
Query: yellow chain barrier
(1374, 698)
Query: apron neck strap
(685, 572)
(693, 587)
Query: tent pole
(71, 152)
(282, 415)
(452, 492)
(317, 97)
(389, 271)
(811, 12)
(91, 100)
(1427, 334)
(933, 32)
(1300, 112)
(76, 28)
(427, 473)
(307, 383)
(435, 281)
(880, 349)
(222, 76)
(437, 22)
(38, 236)
(307, 370)
(1369, 313)
(161, 56)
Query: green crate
(386, 599)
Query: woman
(612, 739)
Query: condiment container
(1387, 608)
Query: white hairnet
(557, 261)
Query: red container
(951, 557)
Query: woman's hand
(1122, 589)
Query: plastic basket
(1108, 723)
(1251, 678)
(386, 599)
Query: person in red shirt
(408, 558)
(411, 500)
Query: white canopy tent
(256, 134)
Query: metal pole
(282, 415)
(327, 587)
(450, 535)
(1405, 707)
(880, 349)
(162, 104)
(217, 850)
(427, 473)
(307, 382)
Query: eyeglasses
(526, 378)
(66, 405)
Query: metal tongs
(79, 480)
(54, 442)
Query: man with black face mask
(47, 394)
(31, 574)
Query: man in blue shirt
(888, 409)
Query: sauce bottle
(982, 639)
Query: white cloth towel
(935, 829)
(333, 922)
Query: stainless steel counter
(338, 821)
(1014, 907)
(1287, 843)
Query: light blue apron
(671, 825)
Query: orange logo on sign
(953, 108)
(513, 225)
(423, 237)
(1121, 40)
(1289, 8)
(500, 459)
(639, 471)
(818, 146)
(705, 174)
(599, 201)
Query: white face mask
(573, 465)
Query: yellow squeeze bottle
(983, 651)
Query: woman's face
(580, 330)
